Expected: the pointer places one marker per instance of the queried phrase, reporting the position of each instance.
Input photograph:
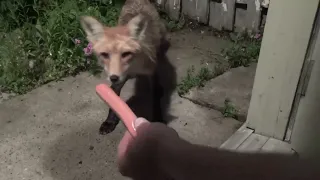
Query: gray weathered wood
(281, 58)
(253, 17)
(237, 138)
(254, 143)
(265, 3)
(161, 4)
(196, 9)
(240, 20)
(173, 8)
(216, 12)
(241, 1)
(228, 15)
(250, 18)
(277, 146)
(222, 14)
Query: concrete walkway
(51, 133)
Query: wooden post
(286, 37)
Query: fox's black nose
(114, 78)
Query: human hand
(140, 158)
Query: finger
(123, 145)
(122, 150)
(140, 124)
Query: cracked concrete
(51, 133)
(234, 86)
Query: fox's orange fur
(130, 48)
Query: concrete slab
(235, 85)
(200, 125)
(197, 48)
(51, 133)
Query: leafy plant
(172, 25)
(229, 109)
(41, 41)
(193, 79)
(244, 50)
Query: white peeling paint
(177, 4)
(224, 6)
(265, 3)
(258, 5)
(196, 4)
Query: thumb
(141, 122)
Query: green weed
(244, 50)
(42, 41)
(172, 25)
(193, 79)
(229, 109)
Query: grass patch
(172, 25)
(195, 79)
(41, 41)
(229, 110)
(244, 50)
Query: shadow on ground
(52, 133)
(143, 101)
(83, 154)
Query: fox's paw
(107, 127)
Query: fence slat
(196, 9)
(215, 15)
(222, 14)
(242, 1)
(253, 17)
(161, 4)
(173, 8)
(248, 16)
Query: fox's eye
(105, 55)
(126, 54)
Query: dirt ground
(51, 133)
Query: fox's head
(115, 47)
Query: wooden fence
(232, 15)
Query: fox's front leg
(157, 94)
(112, 120)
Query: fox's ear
(92, 27)
(137, 26)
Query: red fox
(128, 50)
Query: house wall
(282, 56)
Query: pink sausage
(118, 106)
